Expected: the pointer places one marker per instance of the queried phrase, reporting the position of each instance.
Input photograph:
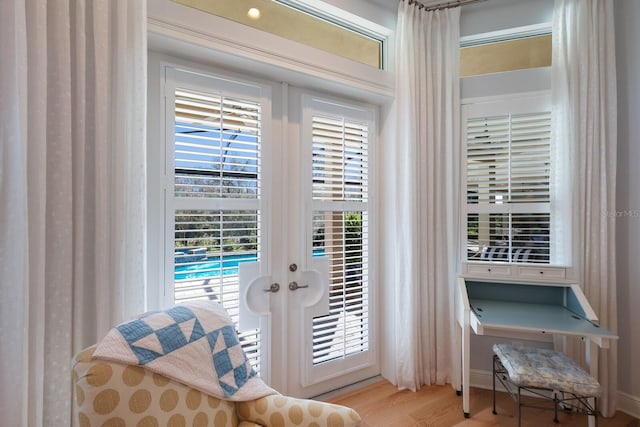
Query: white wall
(532, 80)
(627, 14)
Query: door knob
(275, 287)
(294, 285)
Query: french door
(268, 211)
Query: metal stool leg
(494, 385)
(519, 407)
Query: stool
(546, 373)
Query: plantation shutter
(340, 223)
(216, 146)
(508, 173)
(216, 193)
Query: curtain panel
(422, 167)
(585, 133)
(72, 191)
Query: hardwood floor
(383, 405)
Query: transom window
(302, 23)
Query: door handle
(294, 285)
(275, 287)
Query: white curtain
(422, 170)
(585, 124)
(72, 191)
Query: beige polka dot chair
(109, 394)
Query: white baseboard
(344, 390)
(625, 402)
(629, 404)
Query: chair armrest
(279, 411)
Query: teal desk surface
(535, 317)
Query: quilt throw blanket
(195, 344)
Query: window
(510, 49)
(213, 192)
(340, 228)
(507, 175)
(302, 23)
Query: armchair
(185, 366)
(112, 394)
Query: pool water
(212, 267)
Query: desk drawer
(489, 270)
(542, 273)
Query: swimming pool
(212, 267)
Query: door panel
(214, 204)
(334, 201)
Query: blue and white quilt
(193, 343)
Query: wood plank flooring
(383, 405)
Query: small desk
(525, 310)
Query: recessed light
(254, 13)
